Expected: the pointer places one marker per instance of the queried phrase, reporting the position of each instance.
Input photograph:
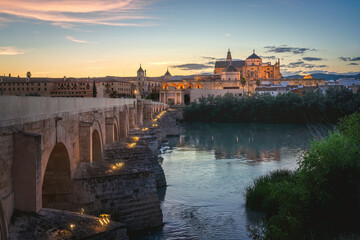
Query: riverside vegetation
(312, 107)
(319, 200)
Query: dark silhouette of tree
(28, 74)
(114, 94)
(94, 90)
(243, 82)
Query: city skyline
(103, 38)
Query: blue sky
(112, 37)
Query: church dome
(254, 56)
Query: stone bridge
(44, 140)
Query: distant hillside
(327, 76)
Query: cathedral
(238, 77)
(251, 68)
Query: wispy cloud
(192, 66)
(353, 64)
(68, 13)
(10, 50)
(164, 63)
(78, 41)
(269, 57)
(287, 49)
(301, 64)
(312, 59)
(345, 59)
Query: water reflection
(256, 142)
(208, 168)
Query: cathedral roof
(230, 68)
(253, 56)
(224, 64)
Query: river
(208, 169)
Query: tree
(94, 90)
(257, 82)
(28, 74)
(243, 82)
(114, 94)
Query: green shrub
(260, 196)
(321, 199)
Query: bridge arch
(57, 184)
(97, 142)
(96, 153)
(116, 129)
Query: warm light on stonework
(154, 125)
(131, 145)
(104, 219)
(72, 226)
(135, 138)
(144, 129)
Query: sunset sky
(93, 38)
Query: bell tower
(228, 57)
(140, 80)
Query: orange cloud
(65, 13)
(9, 50)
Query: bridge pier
(124, 123)
(111, 130)
(148, 111)
(3, 224)
(27, 172)
(140, 112)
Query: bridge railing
(17, 110)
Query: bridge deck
(17, 110)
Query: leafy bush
(321, 199)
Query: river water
(208, 169)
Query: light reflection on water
(208, 168)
